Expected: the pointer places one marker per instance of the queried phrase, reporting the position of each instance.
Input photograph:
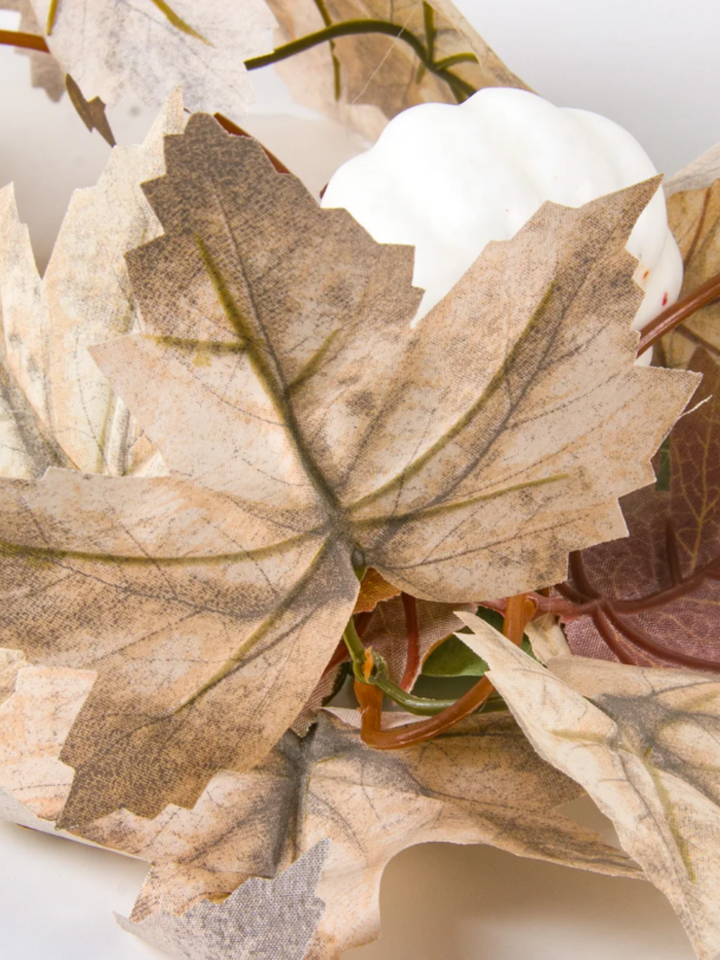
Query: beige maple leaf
(115, 49)
(56, 408)
(326, 808)
(693, 203)
(644, 743)
(308, 429)
(45, 71)
(364, 80)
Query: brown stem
(28, 41)
(609, 614)
(519, 611)
(412, 664)
(237, 131)
(675, 314)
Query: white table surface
(650, 65)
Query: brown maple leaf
(327, 802)
(654, 597)
(308, 429)
(365, 79)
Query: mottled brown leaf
(645, 744)
(657, 593)
(273, 919)
(307, 429)
(365, 80)
(356, 808)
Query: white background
(651, 65)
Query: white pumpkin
(449, 179)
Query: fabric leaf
(644, 744)
(693, 203)
(321, 817)
(56, 408)
(656, 594)
(308, 430)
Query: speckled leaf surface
(45, 72)
(644, 744)
(306, 428)
(316, 822)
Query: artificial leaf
(116, 49)
(655, 596)
(307, 429)
(364, 80)
(354, 807)
(45, 72)
(91, 112)
(644, 743)
(455, 659)
(373, 589)
(273, 919)
(693, 204)
(56, 408)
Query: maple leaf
(45, 71)
(364, 80)
(329, 807)
(56, 408)
(656, 594)
(272, 919)
(644, 743)
(115, 49)
(693, 203)
(307, 429)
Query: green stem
(430, 29)
(460, 88)
(337, 76)
(422, 706)
(52, 13)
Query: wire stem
(460, 87)
(371, 671)
(674, 315)
(28, 41)
(519, 611)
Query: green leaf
(453, 658)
